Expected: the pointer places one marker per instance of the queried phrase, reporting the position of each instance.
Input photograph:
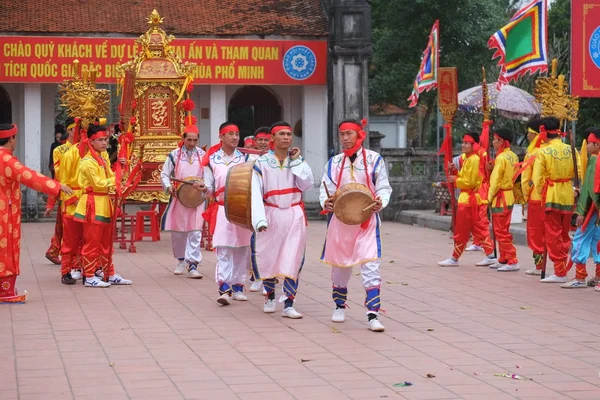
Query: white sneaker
(256, 285)
(533, 272)
(290, 312)
(339, 315)
(376, 326)
(474, 247)
(449, 262)
(99, 274)
(117, 279)
(76, 274)
(239, 296)
(574, 284)
(224, 299)
(509, 267)
(270, 306)
(180, 268)
(486, 262)
(194, 274)
(96, 282)
(554, 279)
(264, 291)
(498, 265)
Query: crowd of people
(272, 252)
(547, 177)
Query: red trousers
(581, 271)
(96, 250)
(536, 231)
(71, 245)
(55, 242)
(483, 221)
(558, 241)
(466, 223)
(506, 248)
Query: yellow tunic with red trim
(501, 181)
(59, 175)
(529, 194)
(13, 174)
(69, 170)
(469, 180)
(95, 182)
(553, 174)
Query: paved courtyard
(448, 332)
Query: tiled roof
(388, 109)
(181, 17)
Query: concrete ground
(449, 331)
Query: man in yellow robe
(553, 173)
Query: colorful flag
(522, 44)
(427, 76)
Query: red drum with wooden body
(188, 195)
(349, 202)
(238, 195)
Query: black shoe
(67, 279)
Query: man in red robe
(12, 175)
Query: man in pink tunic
(231, 242)
(350, 245)
(278, 246)
(184, 223)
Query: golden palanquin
(153, 85)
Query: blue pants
(585, 242)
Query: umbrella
(511, 102)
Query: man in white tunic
(184, 223)
(231, 242)
(278, 247)
(350, 245)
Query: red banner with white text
(49, 59)
(585, 48)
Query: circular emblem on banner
(299, 62)
(595, 47)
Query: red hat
(4, 134)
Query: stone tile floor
(166, 338)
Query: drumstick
(370, 206)
(326, 190)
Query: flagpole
(439, 123)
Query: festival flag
(427, 76)
(522, 44)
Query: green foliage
(400, 32)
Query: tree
(400, 32)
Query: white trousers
(232, 265)
(186, 245)
(371, 275)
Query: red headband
(9, 133)
(352, 126)
(98, 135)
(263, 134)
(593, 138)
(278, 128)
(191, 129)
(229, 128)
(469, 139)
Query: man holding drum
(349, 245)
(232, 242)
(279, 178)
(184, 218)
